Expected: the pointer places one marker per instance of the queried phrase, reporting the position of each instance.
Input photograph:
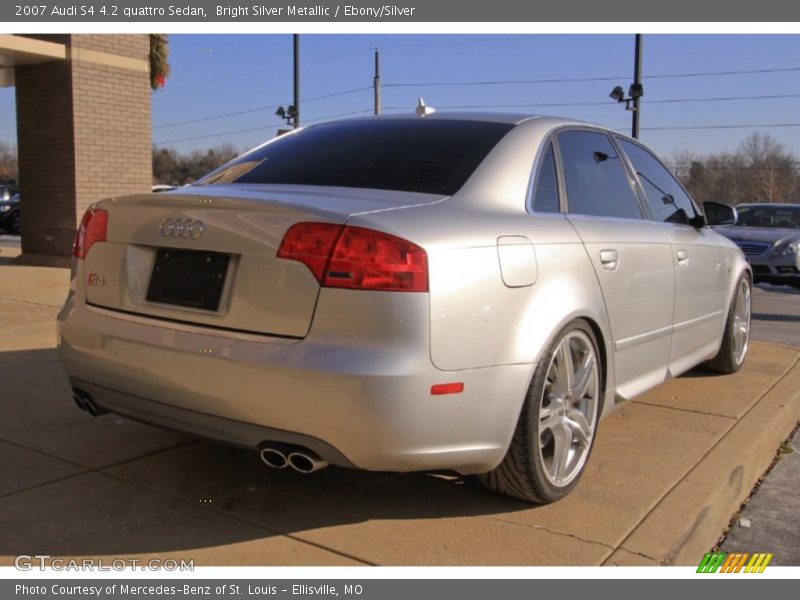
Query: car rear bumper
(356, 403)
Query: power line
(212, 135)
(606, 102)
(589, 79)
(346, 54)
(235, 131)
(268, 70)
(687, 127)
(258, 108)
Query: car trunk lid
(206, 255)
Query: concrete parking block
(21, 469)
(689, 520)
(37, 412)
(93, 515)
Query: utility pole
(296, 80)
(376, 82)
(637, 84)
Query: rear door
(631, 256)
(701, 267)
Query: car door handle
(609, 259)
(683, 257)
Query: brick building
(83, 127)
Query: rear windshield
(425, 155)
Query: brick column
(83, 134)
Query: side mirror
(719, 214)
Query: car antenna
(423, 109)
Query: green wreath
(159, 60)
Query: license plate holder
(188, 278)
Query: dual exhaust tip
(280, 456)
(85, 402)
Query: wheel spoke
(547, 411)
(552, 422)
(562, 443)
(566, 371)
(579, 427)
(583, 377)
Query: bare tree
(8, 163)
(761, 170)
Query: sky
(214, 76)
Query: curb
(680, 530)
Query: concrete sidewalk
(667, 473)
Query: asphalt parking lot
(668, 471)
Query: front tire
(556, 428)
(736, 338)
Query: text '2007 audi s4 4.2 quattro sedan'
(470, 292)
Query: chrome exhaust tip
(306, 462)
(85, 403)
(79, 402)
(273, 457)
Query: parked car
(769, 236)
(9, 214)
(469, 292)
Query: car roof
(486, 117)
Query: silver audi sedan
(471, 292)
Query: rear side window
(545, 190)
(665, 196)
(423, 155)
(595, 178)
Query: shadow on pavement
(771, 317)
(77, 485)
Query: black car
(9, 209)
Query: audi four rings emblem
(181, 228)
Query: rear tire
(556, 428)
(736, 338)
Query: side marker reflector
(447, 388)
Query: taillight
(93, 228)
(356, 257)
(311, 244)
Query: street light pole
(296, 80)
(376, 82)
(637, 81)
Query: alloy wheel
(568, 409)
